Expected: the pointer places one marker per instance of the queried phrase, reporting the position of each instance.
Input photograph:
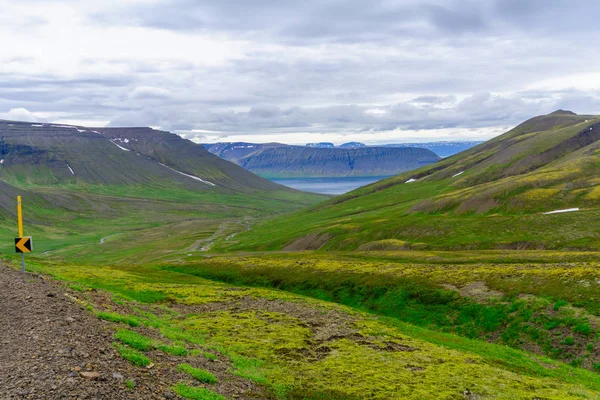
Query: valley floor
(200, 339)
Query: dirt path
(48, 344)
(108, 237)
(208, 241)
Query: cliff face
(295, 161)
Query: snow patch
(459, 174)
(189, 176)
(126, 140)
(61, 126)
(2, 161)
(411, 180)
(122, 148)
(37, 125)
(562, 211)
(97, 132)
(70, 169)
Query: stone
(89, 375)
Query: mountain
(86, 183)
(275, 160)
(53, 154)
(495, 195)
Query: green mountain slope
(494, 195)
(80, 185)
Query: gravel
(51, 348)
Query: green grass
(119, 318)
(133, 356)
(196, 393)
(210, 356)
(129, 384)
(173, 350)
(134, 340)
(198, 374)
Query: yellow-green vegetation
(493, 196)
(301, 347)
(198, 374)
(196, 393)
(549, 308)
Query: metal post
(20, 217)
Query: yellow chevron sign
(23, 244)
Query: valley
(463, 279)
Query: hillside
(282, 161)
(495, 195)
(91, 183)
(39, 154)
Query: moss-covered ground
(319, 343)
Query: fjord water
(335, 186)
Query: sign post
(22, 243)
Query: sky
(378, 71)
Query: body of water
(334, 186)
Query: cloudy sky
(299, 71)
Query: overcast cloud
(290, 71)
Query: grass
(174, 350)
(134, 340)
(419, 295)
(133, 356)
(210, 356)
(199, 374)
(289, 359)
(196, 393)
(119, 318)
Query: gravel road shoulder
(52, 348)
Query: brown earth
(314, 241)
(48, 344)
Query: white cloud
(282, 70)
(20, 114)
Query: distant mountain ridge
(276, 160)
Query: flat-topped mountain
(275, 160)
